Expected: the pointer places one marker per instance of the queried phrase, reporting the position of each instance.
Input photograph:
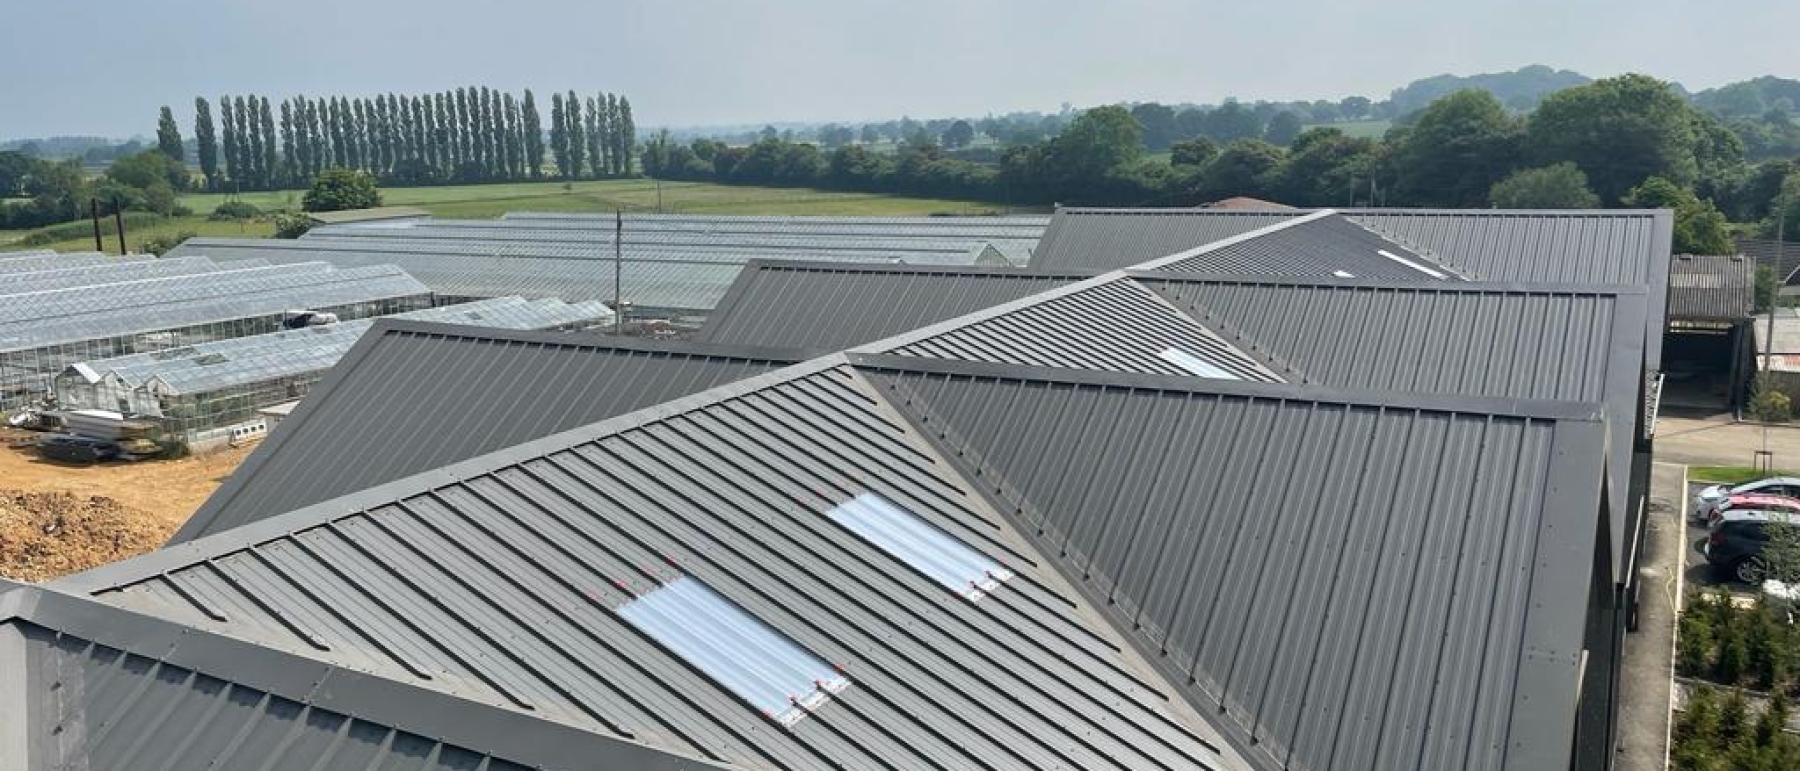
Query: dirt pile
(48, 534)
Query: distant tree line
(1626, 141)
(466, 135)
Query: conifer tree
(577, 136)
(206, 142)
(532, 134)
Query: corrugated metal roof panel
(801, 304)
(1345, 585)
(415, 396)
(1711, 288)
(501, 579)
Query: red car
(1756, 502)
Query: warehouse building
(941, 592)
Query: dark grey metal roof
(1106, 323)
(87, 686)
(1344, 581)
(1711, 288)
(1542, 247)
(1319, 244)
(804, 304)
(414, 396)
(1108, 239)
(500, 579)
(1519, 341)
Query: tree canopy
(340, 189)
(1557, 186)
(1457, 149)
(1620, 131)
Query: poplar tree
(596, 143)
(302, 147)
(612, 119)
(577, 136)
(559, 136)
(206, 142)
(249, 143)
(627, 131)
(168, 135)
(509, 154)
(533, 136)
(270, 165)
(334, 117)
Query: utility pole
(1781, 215)
(618, 271)
(119, 221)
(94, 213)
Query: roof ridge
(1229, 241)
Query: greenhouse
(42, 333)
(197, 391)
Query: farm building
(674, 266)
(198, 392)
(118, 311)
(1224, 508)
(1707, 351)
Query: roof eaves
(538, 742)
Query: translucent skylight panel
(1411, 264)
(931, 551)
(1194, 365)
(757, 663)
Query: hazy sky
(103, 66)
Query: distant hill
(1750, 98)
(1520, 89)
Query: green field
(1369, 129)
(484, 201)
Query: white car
(1708, 499)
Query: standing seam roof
(413, 396)
(1346, 585)
(830, 307)
(499, 580)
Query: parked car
(1734, 542)
(1756, 502)
(70, 448)
(1709, 498)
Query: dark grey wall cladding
(832, 307)
(1349, 587)
(413, 397)
(96, 707)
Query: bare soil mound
(48, 534)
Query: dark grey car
(1734, 543)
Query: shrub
(235, 210)
(1768, 404)
(341, 189)
(292, 225)
(162, 244)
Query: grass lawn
(479, 201)
(486, 201)
(1731, 475)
